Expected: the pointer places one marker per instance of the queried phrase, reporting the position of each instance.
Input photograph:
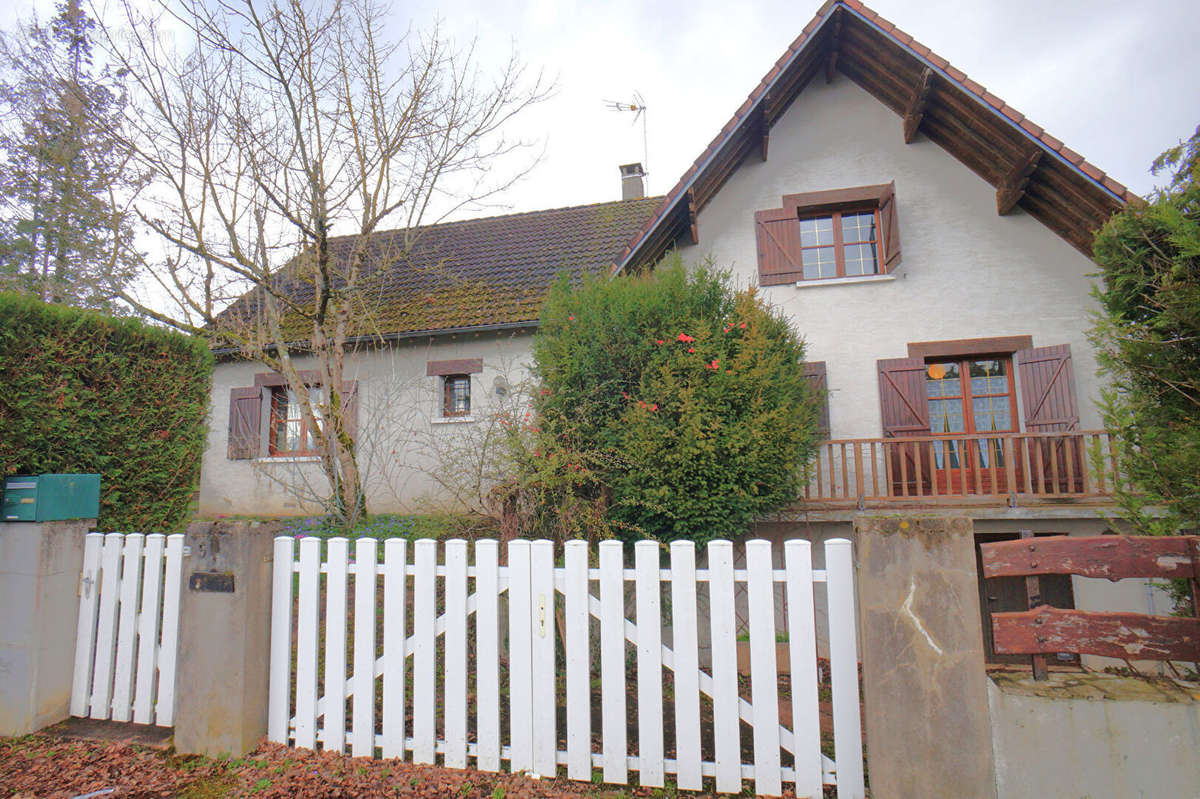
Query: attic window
(824, 235)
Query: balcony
(1006, 470)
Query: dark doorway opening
(1008, 594)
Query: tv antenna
(638, 108)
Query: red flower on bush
(742, 325)
(691, 349)
(684, 337)
(714, 365)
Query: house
(930, 243)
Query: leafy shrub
(1149, 343)
(84, 392)
(670, 405)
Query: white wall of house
(966, 272)
(412, 458)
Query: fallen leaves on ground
(48, 767)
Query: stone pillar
(924, 684)
(224, 638)
(40, 564)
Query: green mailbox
(51, 497)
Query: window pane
(815, 232)
(818, 262)
(988, 377)
(940, 450)
(858, 227)
(860, 259)
(941, 380)
(316, 397)
(458, 395)
(992, 413)
(991, 450)
(946, 416)
(291, 436)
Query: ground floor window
(456, 395)
(290, 433)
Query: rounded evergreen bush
(668, 405)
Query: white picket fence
(434, 597)
(128, 633)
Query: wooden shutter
(778, 235)
(814, 372)
(350, 406)
(889, 228)
(902, 397)
(245, 410)
(1048, 389)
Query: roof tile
(1091, 171)
(1069, 154)
(1032, 128)
(476, 272)
(1054, 144)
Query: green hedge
(84, 392)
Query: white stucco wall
(405, 445)
(966, 272)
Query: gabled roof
(488, 272)
(1030, 168)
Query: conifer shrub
(85, 392)
(668, 405)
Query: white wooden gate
(431, 603)
(127, 637)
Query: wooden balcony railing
(997, 468)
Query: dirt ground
(48, 765)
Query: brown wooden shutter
(245, 408)
(889, 228)
(1048, 389)
(902, 397)
(814, 371)
(350, 407)
(778, 235)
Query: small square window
(456, 395)
(841, 233)
(841, 244)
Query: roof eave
(671, 204)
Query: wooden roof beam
(917, 105)
(693, 227)
(764, 127)
(1012, 186)
(831, 59)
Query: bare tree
(282, 138)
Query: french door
(968, 398)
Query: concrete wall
(924, 687)
(225, 640)
(40, 564)
(410, 456)
(1094, 736)
(966, 272)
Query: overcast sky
(1115, 80)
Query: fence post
(843, 667)
(924, 683)
(40, 564)
(224, 638)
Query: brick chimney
(633, 187)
